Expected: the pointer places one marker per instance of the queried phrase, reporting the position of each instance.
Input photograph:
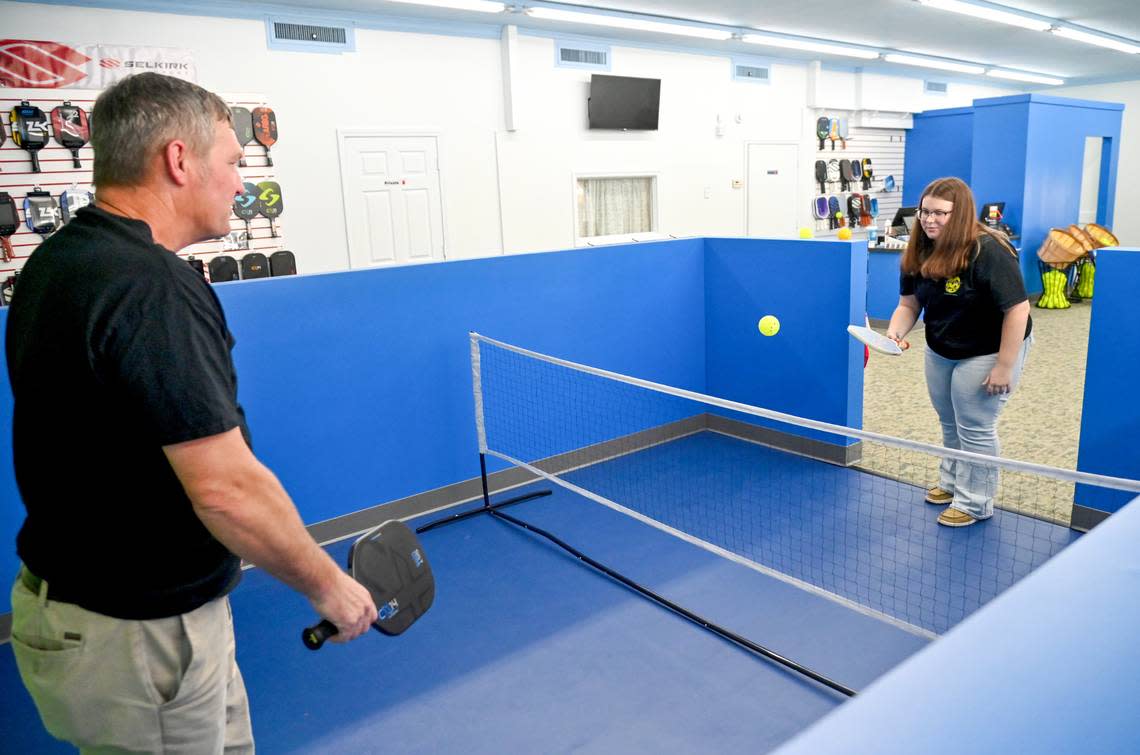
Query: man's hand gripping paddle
(391, 564)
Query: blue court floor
(526, 650)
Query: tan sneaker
(939, 497)
(955, 518)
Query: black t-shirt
(117, 347)
(964, 314)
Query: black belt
(35, 584)
(31, 581)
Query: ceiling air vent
(309, 35)
(751, 70)
(579, 55)
(935, 87)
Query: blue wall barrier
(1026, 150)
(1003, 669)
(811, 368)
(882, 284)
(357, 385)
(1110, 415)
(941, 143)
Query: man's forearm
(257, 520)
(245, 507)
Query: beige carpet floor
(1041, 423)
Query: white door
(772, 190)
(392, 199)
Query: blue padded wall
(812, 367)
(1110, 416)
(357, 385)
(375, 364)
(940, 144)
(1029, 153)
(882, 283)
(1003, 669)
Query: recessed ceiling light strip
(827, 48)
(480, 6)
(1095, 39)
(989, 13)
(626, 22)
(768, 39)
(942, 65)
(1032, 78)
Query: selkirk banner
(57, 65)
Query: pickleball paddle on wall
(29, 130)
(9, 224)
(71, 128)
(243, 129)
(247, 206)
(265, 130)
(271, 203)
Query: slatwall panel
(58, 174)
(885, 148)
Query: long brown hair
(950, 254)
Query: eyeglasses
(936, 214)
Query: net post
(480, 428)
(477, 390)
(483, 475)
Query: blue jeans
(968, 416)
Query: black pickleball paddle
(390, 562)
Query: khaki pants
(111, 685)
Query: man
(132, 454)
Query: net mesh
(784, 497)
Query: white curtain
(608, 206)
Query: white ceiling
(901, 25)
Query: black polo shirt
(116, 347)
(964, 313)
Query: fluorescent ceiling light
(624, 22)
(1095, 39)
(989, 14)
(804, 44)
(480, 6)
(943, 65)
(1034, 78)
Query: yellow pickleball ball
(844, 234)
(769, 325)
(805, 233)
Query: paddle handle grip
(314, 637)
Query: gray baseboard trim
(1084, 518)
(816, 449)
(339, 528)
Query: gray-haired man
(132, 454)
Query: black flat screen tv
(624, 103)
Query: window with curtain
(609, 206)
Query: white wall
(503, 191)
(1126, 222)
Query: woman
(966, 280)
